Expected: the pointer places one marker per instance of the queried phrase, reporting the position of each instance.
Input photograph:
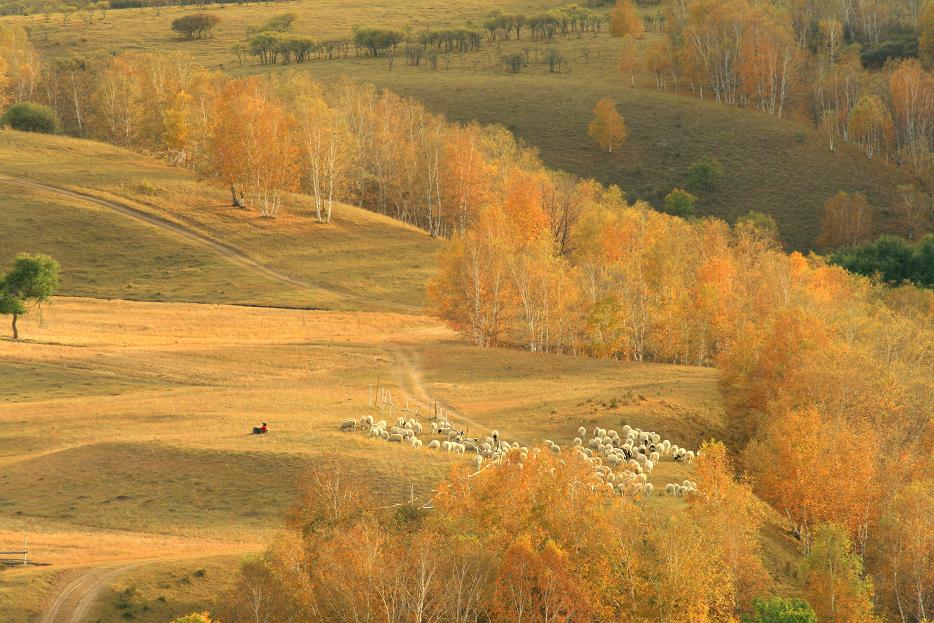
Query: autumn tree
(32, 281)
(914, 211)
(624, 20)
(607, 128)
(904, 551)
(321, 138)
(846, 222)
(629, 58)
(251, 146)
(871, 127)
(912, 93)
(833, 578)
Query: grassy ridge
(360, 261)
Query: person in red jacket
(260, 430)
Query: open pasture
(139, 449)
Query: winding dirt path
(75, 600)
(71, 605)
(191, 234)
(409, 375)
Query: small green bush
(781, 610)
(31, 117)
(680, 202)
(704, 174)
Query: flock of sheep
(622, 461)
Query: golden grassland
(360, 261)
(128, 435)
(779, 166)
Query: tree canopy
(32, 281)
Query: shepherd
(260, 430)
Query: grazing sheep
(670, 488)
(395, 438)
(555, 448)
(581, 432)
(689, 457)
(649, 488)
(348, 425)
(434, 444)
(578, 442)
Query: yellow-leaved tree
(608, 129)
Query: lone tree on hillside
(607, 129)
(195, 26)
(32, 281)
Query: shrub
(680, 202)
(763, 223)
(892, 259)
(31, 117)
(704, 174)
(376, 40)
(514, 62)
(781, 610)
(196, 25)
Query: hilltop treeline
(814, 60)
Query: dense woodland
(827, 374)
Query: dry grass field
(127, 436)
(779, 166)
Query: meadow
(779, 166)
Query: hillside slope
(360, 261)
(779, 166)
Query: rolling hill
(778, 166)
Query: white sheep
(395, 438)
(434, 444)
(581, 432)
(348, 425)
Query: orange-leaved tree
(252, 146)
(624, 20)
